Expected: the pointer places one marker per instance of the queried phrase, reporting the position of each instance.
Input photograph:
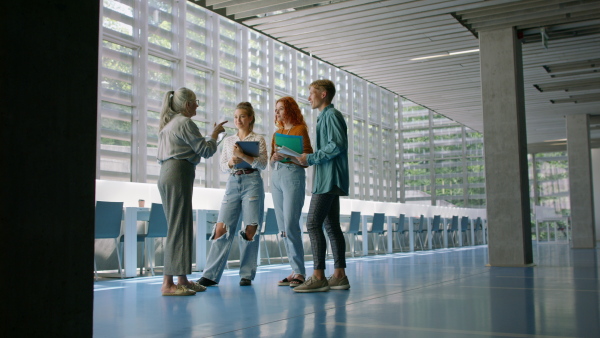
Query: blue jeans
(289, 181)
(245, 196)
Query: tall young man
(331, 180)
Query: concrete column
(596, 178)
(505, 141)
(583, 233)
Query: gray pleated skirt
(175, 184)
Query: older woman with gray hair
(180, 148)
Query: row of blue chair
(421, 233)
(110, 214)
(400, 231)
(108, 225)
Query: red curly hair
(292, 112)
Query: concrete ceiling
(380, 40)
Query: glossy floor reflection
(441, 293)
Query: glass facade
(549, 187)
(441, 160)
(397, 151)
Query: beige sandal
(180, 291)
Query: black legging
(325, 211)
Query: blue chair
(478, 227)
(435, 229)
(108, 225)
(377, 230)
(401, 231)
(419, 230)
(453, 230)
(157, 228)
(354, 229)
(270, 228)
(464, 229)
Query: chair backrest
(354, 226)
(464, 223)
(157, 224)
(454, 224)
(401, 220)
(270, 227)
(108, 219)
(435, 226)
(478, 223)
(378, 220)
(422, 226)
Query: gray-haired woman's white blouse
(181, 139)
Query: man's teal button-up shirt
(331, 154)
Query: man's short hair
(325, 85)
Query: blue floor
(441, 293)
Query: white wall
(206, 198)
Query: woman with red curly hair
(288, 185)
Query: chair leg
(119, 258)
(144, 267)
(399, 238)
(150, 256)
(382, 239)
(374, 244)
(266, 249)
(279, 246)
(95, 268)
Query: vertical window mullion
(99, 103)
(213, 162)
(465, 184)
(351, 137)
(243, 33)
(294, 82)
(139, 155)
(402, 163)
(432, 160)
(364, 193)
(380, 178)
(270, 119)
(180, 54)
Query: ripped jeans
(245, 197)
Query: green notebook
(293, 142)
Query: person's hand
(295, 160)
(217, 129)
(233, 161)
(277, 157)
(237, 152)
(302, 160)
